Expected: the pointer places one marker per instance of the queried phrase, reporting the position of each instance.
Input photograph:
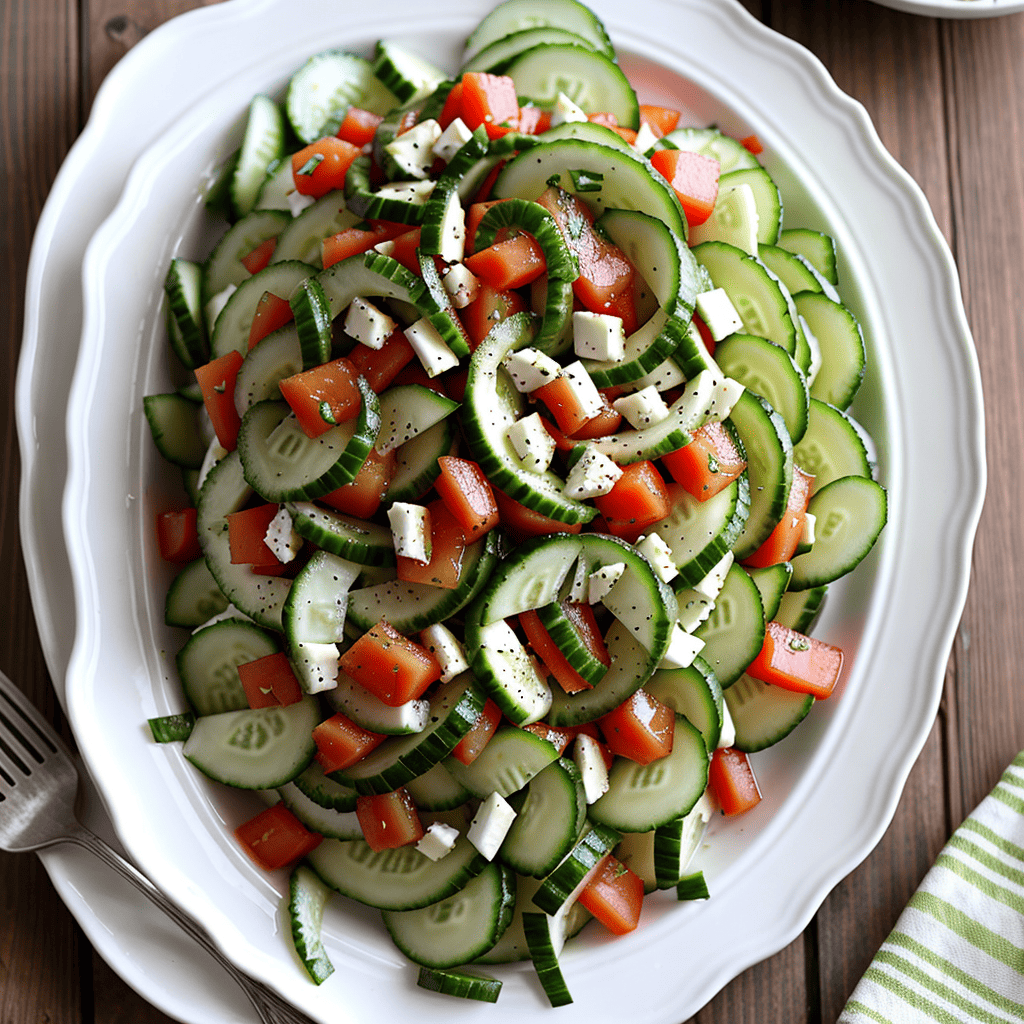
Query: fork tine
(24, 722)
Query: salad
(514, 427)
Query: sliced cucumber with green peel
(353, 539)
(306, 898)
(314, 612)
(833, 445)
(273, 358)
(193, 596)
(764, 714)
(506, 671)
(174, 423)
(511, 758)
(817, 247)
(537, 930)
(799, 609)
(730, 154)
(416, 463)
(496, 56)
(185, 320)
(409, 410)
(262, 144)
(405, 74)
(561, 620)
(733, 633)
(772, 582)
(794, 271)
(324, 791)
(312, 322)
(693, 692)
(461, 984)
(255, 749)
(562, 885)
(766, 198)
(302, 238)
(370, 712)
(843, 355)
(585, 131)
(326, 821)
(224, 265)
(436, 790)
(278, 184)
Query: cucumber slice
(511, 758)
(459, 928)
(730, 154)
(586, 131)
(642, 797)
(224, 265)
(274, 357)
(193, 597)
(278, 184)
(771, 583)
(800, 609)
(323, 791)
(436, 790)
(592, 80)
(208, 664)
(516, 15)
(693, 692)
(172, 728)
(408, 410)
(461, 984)
(174, 423)
(537, 929)
(370, 712)
(561, 886)
(262, 144)
(843, 355)
(416, 462)
(312, 322)
(306, 898)
(327, 821)
(833, 445)
(794, 271)
(506, 671)
(733, 633)
(255, 749)
(496, 56)
(562, 621)
(817, 247)
(401, 879)
(349, 538)
(405, 74)
(315, 610)
(186, 325)
(850, 514)
(321, 91)
(766, 198)
(764, 714)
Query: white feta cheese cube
(694, 609)
(725, 394)
(531, 442)
(566, 111)
(659, 554)
(461, 284)
(321, 665)
(598, 336)
(711, 586)
(215, 304)
(645, 138)
(683, 647)
(410, 530)
(490, 825)
(438, 840)
(727, 737)
(297, 202)
(530, 369)
(367, 324)
(453, 230)
(718, 313)
(442, 644)
(451, 140)
(583, 388)
(602, 579)
(642, 408)
(586, 753)
(413, 151)
(385, 248)
(434, 355)
(592, 475)
(281, 537)
(807, 533)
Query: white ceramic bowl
(830, 789)
(956, 8)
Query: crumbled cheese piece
(442, 644)
(642, 408)
(711, 585)
(297, 202)
(645, 138)
(659, 554)
(583, 388)
(586, 753)
(215, 304)
(727, 737)
(530, 369)
(490, 825)
(453, 230)
(434, 355)
(566, 111)
(602, 579)
(367, 324)
(725, 394)
(281, 537)
(438, 840)
(592, 475)
(598, 336)
(807, 533)
(413, 151)
(321, 661)
(451, 140)
(411, 531)
(694, 609)
(683, 647)
(461, 284)
(531, 442)
(718, 313)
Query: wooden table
(947, 98)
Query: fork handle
(269, 1006)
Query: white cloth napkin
(957, 951)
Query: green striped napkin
(957, 951)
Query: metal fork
(38, 789)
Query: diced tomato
(390, 665)
(705, 334)
(259, 257)
(275, 838)
(605, 282)
(524, 522)
(564, 404)
(272, 313)
(753, 144)
(448, 548)
(340, 742)
(404, 249)
(357, 239)
(483, 193)
(415, 373)
(474, 215)
(605, 118)
(488, 100)
(321, 166)
(640, 728)
(362, 497)
(562, 442)
(661, 120)
(606, 422)
(782, 542)
(469, 748)
(177, 536)
(638, 499)
(468, 495)
(359, 126)
(792, 661)
(615, 896)
(547, 650)
(246, 532)
(533, 120)
(694, 178)
(732, 781)
(452, 106)
(558, 738)
(269, 681)
(511, 263)
(381, 366)
(708, 464)
(216, 380)
(389, 820)
(489, 308)
(323, 396)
